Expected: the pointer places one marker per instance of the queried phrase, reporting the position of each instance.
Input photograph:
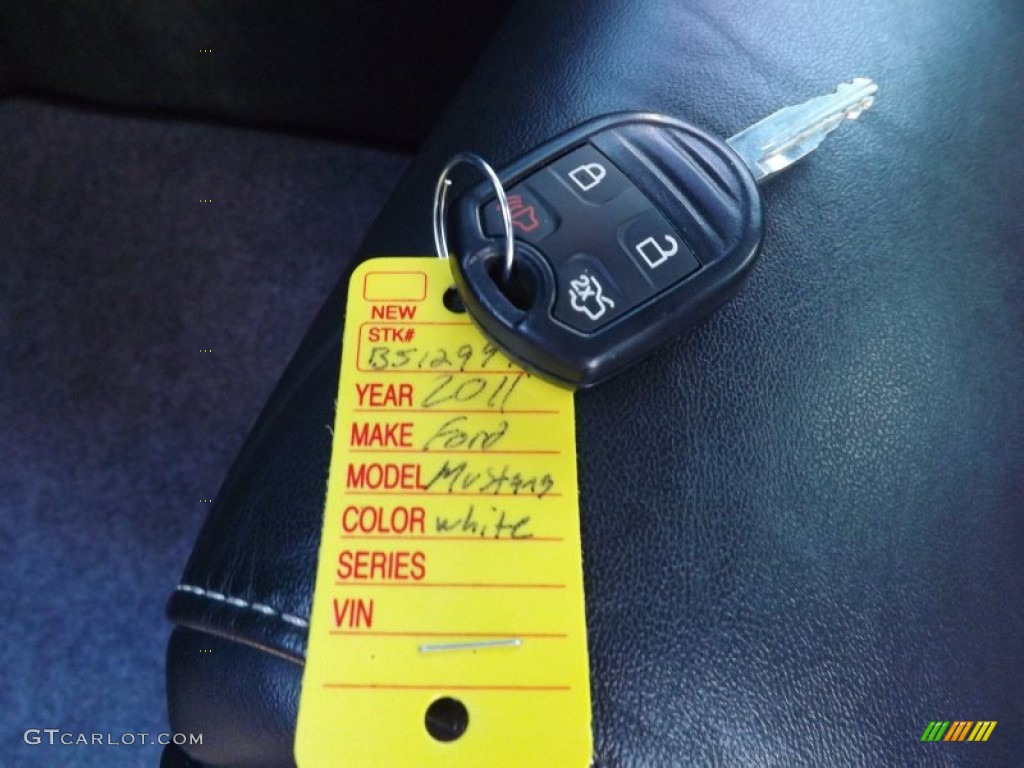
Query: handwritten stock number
(438, 358)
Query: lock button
(590, 175)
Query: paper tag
(448, 622)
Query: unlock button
(657, 249)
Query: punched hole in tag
(446, 719)
(453, 302)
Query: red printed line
(410, 537)
(445, 452)
(495, 411)
(383, 633)
(410, 323)
(447, 584)
(412, 494)
(467, 371)
(403, 687)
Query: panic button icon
(524, 217)
(532, 220)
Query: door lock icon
(654, 254)
(588, 176)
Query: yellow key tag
(448, 622)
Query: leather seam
(237, 602)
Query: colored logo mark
(958, 730)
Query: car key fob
(628, 229)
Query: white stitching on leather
(238, 602)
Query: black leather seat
(802, 521)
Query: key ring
(441, 207)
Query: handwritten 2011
(493, 392)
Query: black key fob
(628, 229)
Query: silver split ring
(441, 207)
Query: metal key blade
(778, 141)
